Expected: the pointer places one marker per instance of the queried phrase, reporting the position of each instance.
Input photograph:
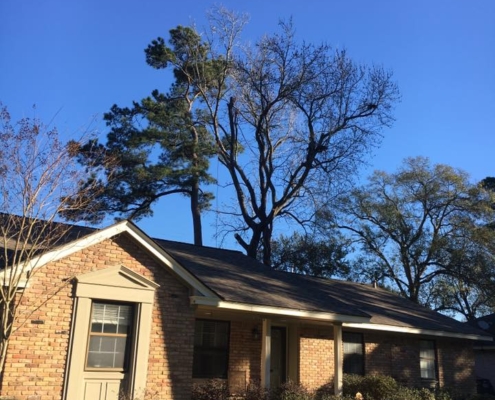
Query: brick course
(245, 352)
(37, 353)
(396, 355)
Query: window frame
(431, 347)
(218, 352)
(112, 284)
(129, 335)
(361, 354)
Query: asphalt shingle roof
(238, 278)
(234, 277)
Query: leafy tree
(457, 297)
(489, 183)
(290, 121)
(303, 115)
(158, 147)
(309, 255)
(424, 226)
(38, 176)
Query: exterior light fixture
(256, 334)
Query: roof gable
(71, 245)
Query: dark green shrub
(256, 392)
(372, 387)
(214, 389)
(291, 391)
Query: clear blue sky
(74, 59)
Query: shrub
(372, 387)
(256, 392)
(214, 389)
(291, 391)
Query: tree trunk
(196, 214)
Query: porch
(251, 348)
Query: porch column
(266, 336)
(338, 358)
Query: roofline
(279, 311)
(106, 233)
(415, 331)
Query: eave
(217, 304)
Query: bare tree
(38, 174)
(290, 120)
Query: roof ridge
(197, 246)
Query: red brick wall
(245, 353)
(37, 354)
(456, 365)
(396, 355)
(316, 366)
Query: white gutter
(415, 331)
(269, 310)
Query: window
(353, 353)
(211, 349)
(109, 335)
(427, 359)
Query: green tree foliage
(489, 183)
(158, 147)
(309, 255)
(425, 227)
(289, 120)
(303, 115)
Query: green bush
(214, 389)
(372, 387)
(291, 391)
(256, 392)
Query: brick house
(484, 355)
(116, 311)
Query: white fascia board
(70, 248)
(415, 331)
(113, 230)
(269, 310)
(164, 257)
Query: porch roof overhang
(270, 311)
(414, 331)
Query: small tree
(311, 255)
(38, 174)
(422, 226)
